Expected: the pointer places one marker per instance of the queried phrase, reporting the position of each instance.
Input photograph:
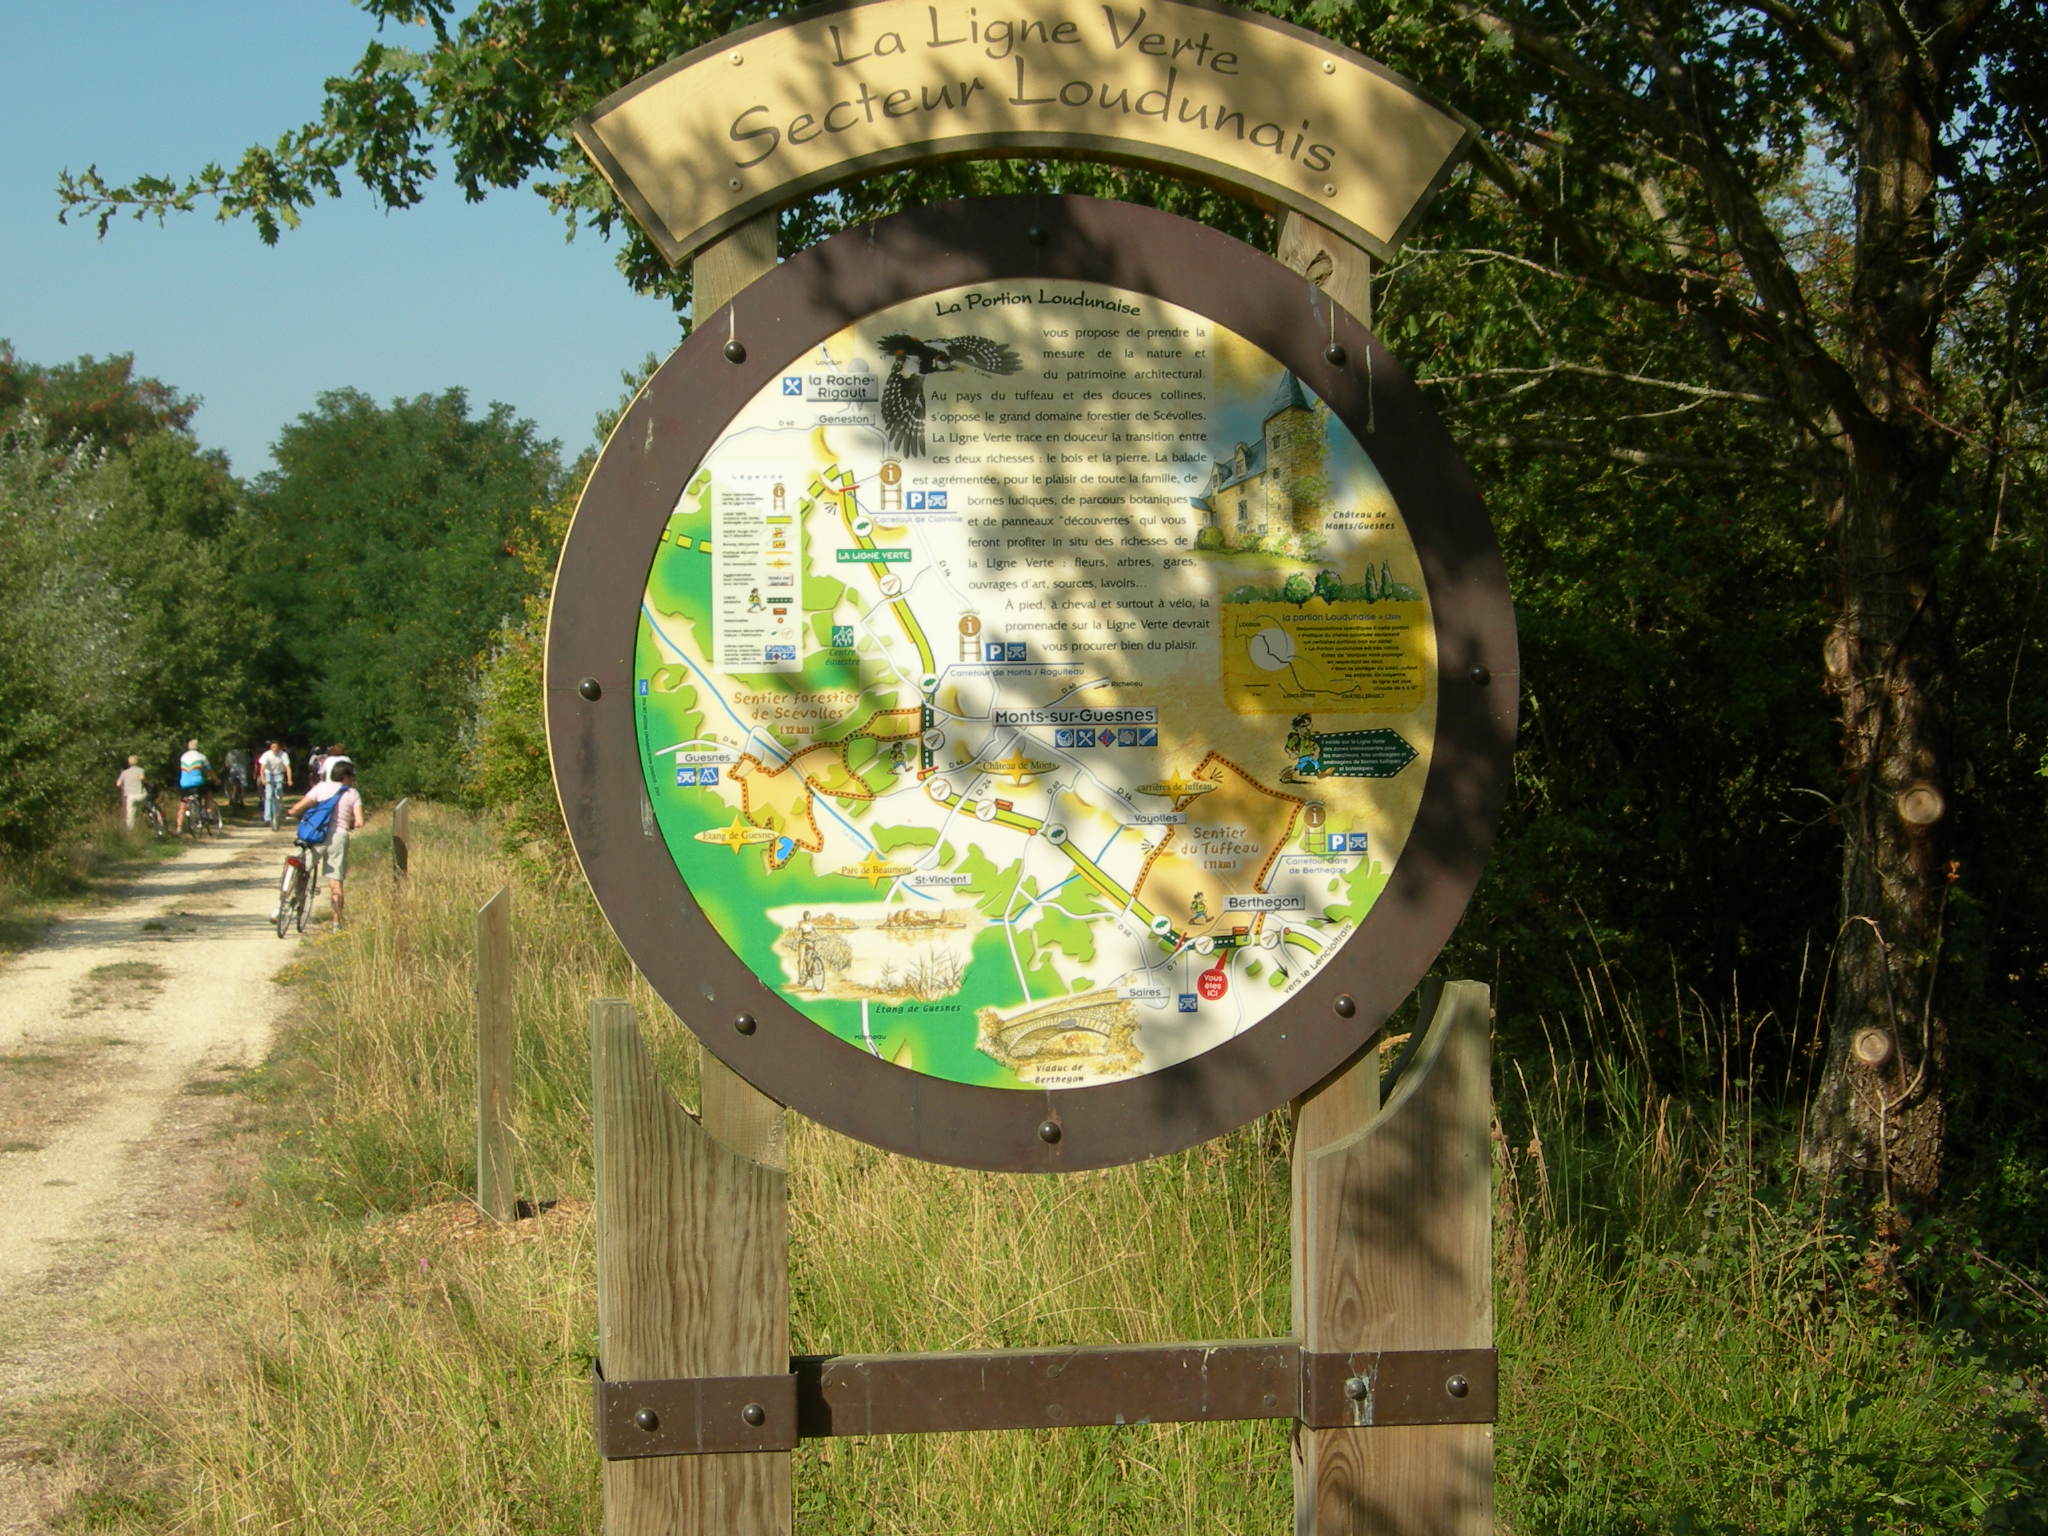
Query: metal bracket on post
(837, 1395)
(693, 1416)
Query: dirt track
(117, 1035)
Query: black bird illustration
(903, 390)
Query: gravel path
(117, 1035)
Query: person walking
(134, 787)
(348, 818)
(275, 770)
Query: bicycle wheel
(288, 890)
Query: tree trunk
(1879, 1108)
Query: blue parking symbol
(1015, 650)
(1063, 738)
(914, 500)
(792, 384)
(993, 651)
(707, 776)
(685, 776)
(1188, 1004)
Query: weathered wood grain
(1393, 1250)
(692, 1280)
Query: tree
(1666, 151)
(1679, 156)
(69, 683)
(389, 545)
(99, 402)
(119, 610)
(174, 539)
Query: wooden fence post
(401, 845)
(1393, 1251)
(692, 1280)
(495, 1038)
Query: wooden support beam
(1334, 264)
(692, 1280)
(1393, 1251)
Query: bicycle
(154, 815)
(295, 886)
(202, 815)
(273, 803)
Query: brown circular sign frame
(659, 444)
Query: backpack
(318, 822)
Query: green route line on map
(908, 620)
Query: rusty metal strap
(1399, 1386)
(1045, 1389)
(693, 1416)
(827, 1395)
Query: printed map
(1035, 684)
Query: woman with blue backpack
(328, 812)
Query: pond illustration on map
(1035, 684)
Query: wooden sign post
(1031, 683)
(1389, 1375)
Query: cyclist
(237, 762)
(274, 768)
(194, 774)
(348, 817)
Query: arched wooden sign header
(744, 125)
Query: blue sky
(488, 296)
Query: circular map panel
(995, 664)
(1031, 683)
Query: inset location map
(1035, 684)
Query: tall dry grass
(1690, 1339)
(396, 1364)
